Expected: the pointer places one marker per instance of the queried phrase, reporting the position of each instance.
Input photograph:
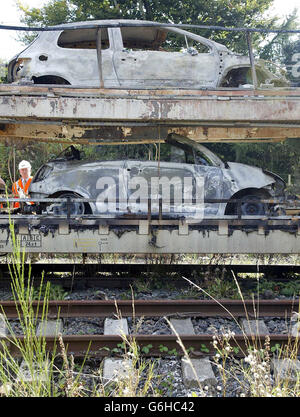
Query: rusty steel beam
(77, 91)
(117, 134)
(156, 105)
(176, 110)
(252, 61)
(99, 116)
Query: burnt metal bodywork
(119, 181)
(135, 57)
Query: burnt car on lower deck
(124, 178)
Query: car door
(213, 182)
(139, 65)
(106, 183)
(169, 178)
(76, 54)
(207, 170)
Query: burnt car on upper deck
(135, 57)
(123, 178)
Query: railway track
(120, 275)
(200, 345)
(181, 332)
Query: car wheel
(252, 208)
(76, 208)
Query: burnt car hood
(247, 176)
(275, 176)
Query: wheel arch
(239, 70)
(260, 192)
(57, 194)
(50, 79)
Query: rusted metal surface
(101, 135)
(101, 116)
(260, 109)
(77, 91)
(156, 308)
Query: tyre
(76, 208)
(252, 208)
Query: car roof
(150, 30)
(110, 22)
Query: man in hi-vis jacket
(20, 187)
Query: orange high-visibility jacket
(16, 187)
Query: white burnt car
(134, 57)
(185, 175)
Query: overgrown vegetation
(33, 376)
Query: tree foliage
(291, 59)
(235, 13)
(3, 71)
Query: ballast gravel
(84, 325)
(213, 325)
(166, 379)
(149, 325)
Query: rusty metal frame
(102, 116)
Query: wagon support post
(99, 57)
(251, 56)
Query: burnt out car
(185, 175)
(135, 57)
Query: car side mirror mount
(192, 51)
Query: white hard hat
(24, 164)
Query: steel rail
(157, 308)
(157, 345)
(144, 200)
